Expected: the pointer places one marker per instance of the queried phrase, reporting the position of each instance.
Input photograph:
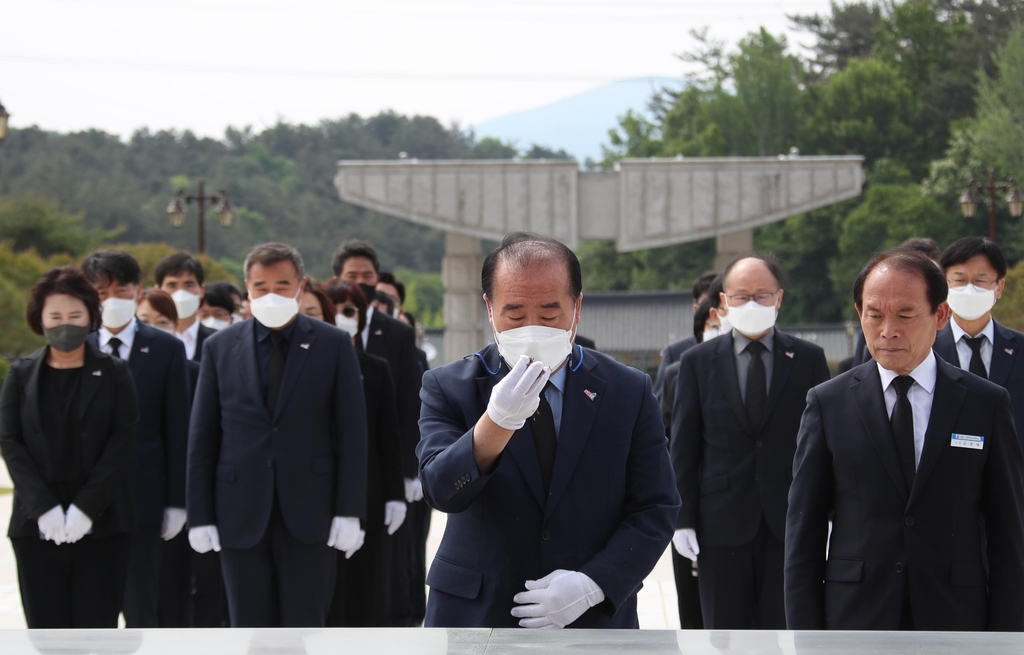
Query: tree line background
(931, 92)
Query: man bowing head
(550, 461)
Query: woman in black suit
(362, 594)
(67, 424)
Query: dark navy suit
(281, 478)
(1007, 364)
(157, 473)
(610, 512)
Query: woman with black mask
(67, 422)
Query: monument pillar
(463, 308)
(730, 246)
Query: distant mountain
(578, 124)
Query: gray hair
(268, 254)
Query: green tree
(29, 223)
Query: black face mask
(66, 338)
(369, 292)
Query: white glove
(51, 525)
(517, 396)
(174, 521)
(556, 600)
(413, 490)
(394, 515)
(685, 542)
(76, 525)
(204, 538)
(346, 535)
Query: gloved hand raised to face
(51, 525)
(346, 535)
(556, 600)
(204, 538)
(685, 542)
(394, 515)
(517, 396)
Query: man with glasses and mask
(277, 451)
(549, 459)
(735, 419)
(975, 271)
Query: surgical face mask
(349, 324)
(971, 302)
(711, 333)
(275, 311)
(215, 323)
(237, 318)
(118, 312)
(752, 318)
(724, 325)
(186, 303)
(368, 291)
(547, 345)
(66, 338)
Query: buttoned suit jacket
(311, 453)
(729, 473)
(612, 503)
(847, 465)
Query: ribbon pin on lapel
(304, 346)
(590, 394)
(790, 355)
(1009, 351)
(144, 350)
(97, 373)
(378, 332)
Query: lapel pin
(590, 394)
(97, 373)
(1009, 351)
(790, 355)
(304, 346)
(379, 332)
(144, 350)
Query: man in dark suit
(157, 364)
(357, 262)
(975, 270)
(734, 424)
(673, 351)
(181, 275)
(555, 523)
(908, 456)
(277, 451)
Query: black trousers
(142, 582)
(72, 585)
(741, 588)
(687, 593)
(209, 599)
(175, 582)
(280, 582)
(419, 513)
(362, 588)
(402, 542)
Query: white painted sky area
(203, 65)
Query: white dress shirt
(963, 350)
(921, 395)
(365, 334)
(190, 337)
(126, 335)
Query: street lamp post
(969, 202)
(3, 122)
(225, 211)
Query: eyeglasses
(760, 298)
(349, 311)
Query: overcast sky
(202, 65)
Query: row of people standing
(156, 338)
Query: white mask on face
(186, 302)
(547, 345)
(349, 324)
(237, 318)
(275, 311)
(118, 312)
(169, 331)
(710, 334)
(752, 318)
(970, 302)
(724, 325)
(215, 323)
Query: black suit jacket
(204, 334)
(311, 453)
(670, 354)
(1007, 365)
(384, 478)
(728, 474)
(108, 413)
(157, 474)
(846, 464)
(395, 342)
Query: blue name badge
(967, 441)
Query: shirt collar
(924, 374)
(558, 377)
(263, 332)
(126, 335)
(988, 331)
(740, 341)
(191, 332)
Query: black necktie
(275, 370)
(902, 421)
(977, 365)
(359, 341)
(115, 347)
(542, 425)
(757, 385)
